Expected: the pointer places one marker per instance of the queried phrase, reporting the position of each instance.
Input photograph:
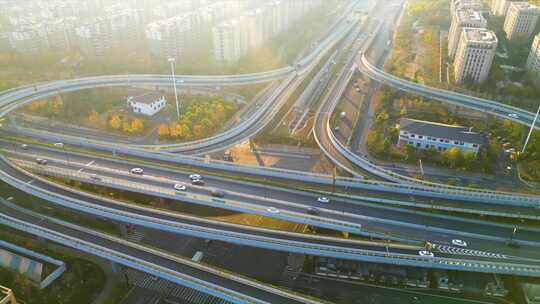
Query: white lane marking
(30, 182)
(90, 163)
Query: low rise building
(146, 102)
(437, 136)
(461, 19)
(521, 20)
(474, 55)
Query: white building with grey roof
(521, 20)
(437, 136)
(146, 102)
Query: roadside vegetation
(421, 39)
(202, 117)
(80, 284)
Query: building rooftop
(143, 96)
(480, 35)
(523, 6)
(469, 15)
(428, 128)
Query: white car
(95, 177)
(137, 171)
(24, 146)
(272, 210)
(513, 115)
(425, 253)
(180, 187)
(459, 243)
(195, 176)
(323, 199)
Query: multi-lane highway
(487, 251)
(357, 216)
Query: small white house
(146, 102)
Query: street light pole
(172, 60)
(531, 130)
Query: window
(456, 143)
(420, 136)
(418, 144)
(413, 136)
(475, 145)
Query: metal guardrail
(124, 259)
(61, 266)
(456, 98)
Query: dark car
(218, 193)
(313, 211)
(198, 182)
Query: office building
(474, 55)
(437, 136)
(461, 19)
(521, 20)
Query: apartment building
(173, 37)
(474, 55)
(500, 7)
(533, 61)
(95, 37)
(437, 136)
(521, 20)
(253, 26)
(28, 40)
(126, 27)
(461, 19)
(456, 5)
(230, 41)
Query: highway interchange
(357, 215)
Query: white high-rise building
(461, 19)
(499, 7)
(521, 20)
(252, 24)
(28, 40)
(533, 61)
(229, 41)
(126, 27)
(474, 55)
(95, 37)
(173, 37)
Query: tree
(137, 125)
(198, 131)
(93, 118)
(115, 122)
(163, 131)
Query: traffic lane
(246, 289)
(436, 238)
(393, 213)
(172, 219)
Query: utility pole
(172, 60)
(531, 130)
(421, 168)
